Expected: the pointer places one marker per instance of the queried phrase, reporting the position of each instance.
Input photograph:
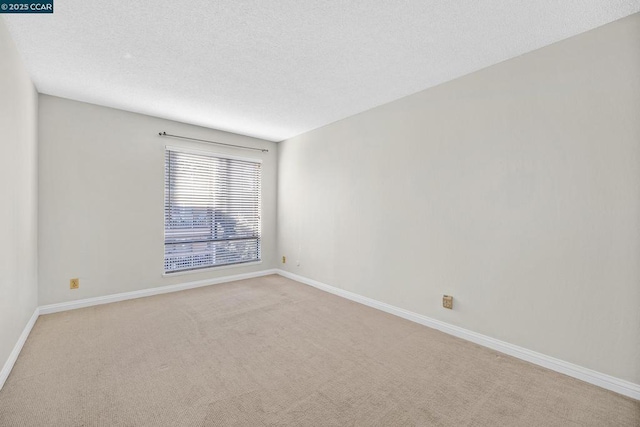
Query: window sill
(209, 269)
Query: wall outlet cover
(447, 302)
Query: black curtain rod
(264, 150)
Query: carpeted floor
(271, 351)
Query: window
(211, 210)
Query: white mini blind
(211, 211)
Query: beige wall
(515, 189)
(18, 196)
(101, 199)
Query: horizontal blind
(211, 211)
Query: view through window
(211, 212)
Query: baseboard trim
(608, 382)
(88, 302)
(13, 356)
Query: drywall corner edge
(590, 376)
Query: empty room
(320, 213)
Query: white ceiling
(275, 69)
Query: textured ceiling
(275, 69)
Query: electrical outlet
(74, 283)
(284, 259)
(447, 302)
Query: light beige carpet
(271, 351)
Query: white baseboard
(608, 382)
(8, 365)
(72, 305)
(88, 302)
